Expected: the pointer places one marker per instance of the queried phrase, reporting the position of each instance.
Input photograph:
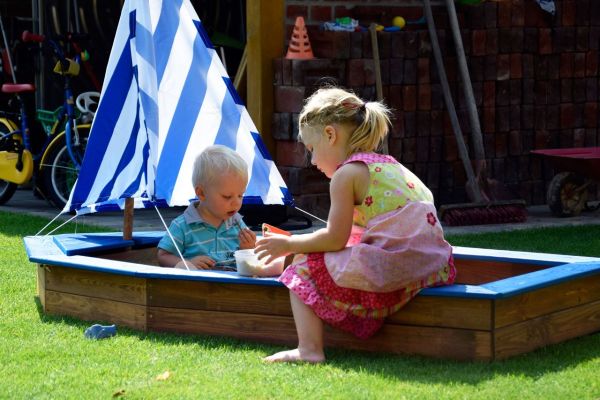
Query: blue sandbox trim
(561, 268)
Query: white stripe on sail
(275, 184)
(188, 11)
(154, 9)
(247, 121)
(245, 147)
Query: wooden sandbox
(504, 303)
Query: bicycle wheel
(59, 173)
(7, 189)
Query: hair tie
(354, 106)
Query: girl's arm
(349, 180)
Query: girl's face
(326, 149)
(221, 199)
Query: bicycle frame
(72, 135)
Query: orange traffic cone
(299, 48)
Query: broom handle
(437, 54)
(378, 83)
(476, 136)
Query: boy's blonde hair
(370, 120)
(214, 161)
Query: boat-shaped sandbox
(503, 303)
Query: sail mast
(128, 219)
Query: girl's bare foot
(296, 356)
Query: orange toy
(299, 48)
(272, 229)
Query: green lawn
(48, 357)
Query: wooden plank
(123, 288)
(546, 300)
(450, 343)
(265, 30)
(41, 285)
(477, 272)
(96, 310)
(445, 343)
(210, 296)
(145, 256)
(449, 312)
(548, 329)
(256, 299)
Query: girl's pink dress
(396, 249)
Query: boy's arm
(167, 252)
(166, 259)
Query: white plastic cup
(247, 263)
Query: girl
(383, 242)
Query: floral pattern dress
(362, 312)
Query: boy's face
(221, 199)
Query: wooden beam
(265, 31)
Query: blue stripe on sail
(287, 196)
(252, 200)
(135, 185)
(259, 181)
(150, 112)
(126, 157)
(203, 34)
(260, 145)
(230, 123)
(107, 115)
(132, 24)
(164, 34)
(190, 100)
(231, 89)
(144, 44)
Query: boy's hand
(203, 262)
(197, 263)
(247, 239)
(181, 265)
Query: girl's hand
(272, 247)
(247, 239)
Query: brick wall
(535, 80)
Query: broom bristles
(483, 214)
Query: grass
(48, 357)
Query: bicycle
(55, 166)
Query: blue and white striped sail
(166, 96)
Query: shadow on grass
(549, 359)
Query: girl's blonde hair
(370, 120)
(214, 161)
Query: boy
(210, 230)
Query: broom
(484, 208)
